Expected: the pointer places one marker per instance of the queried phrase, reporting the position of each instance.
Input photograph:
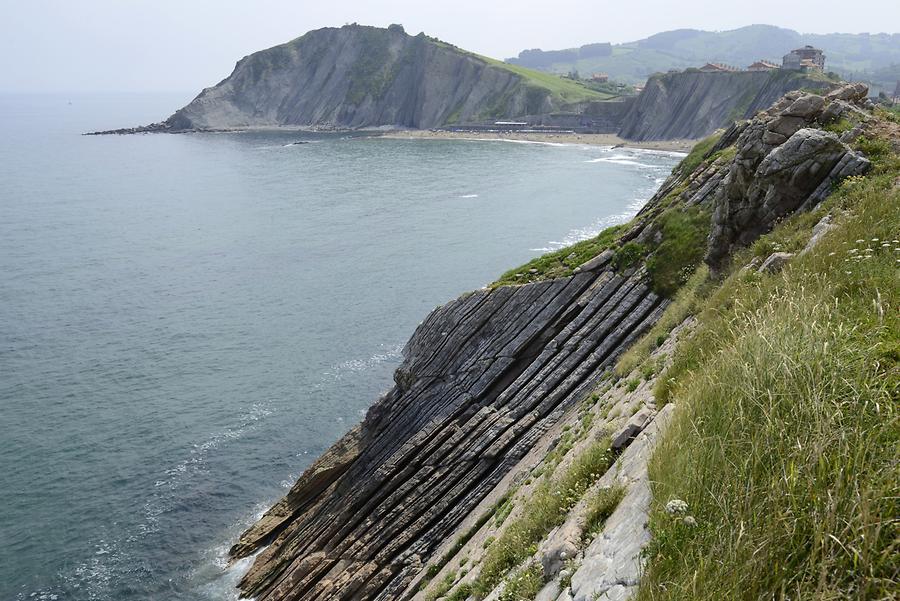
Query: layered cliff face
(358, 76)
(500, 399)
(693, 104)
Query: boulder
(854, 92)
(807, 107)
(775, 262)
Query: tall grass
(785, 441)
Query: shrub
(684, 235)
(629, 254)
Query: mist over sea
(186, 321)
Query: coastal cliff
(358, 76)
(693, 104)
(510, 459)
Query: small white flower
(874, 239)
(831, 254)
(860, 241)
(676, 507)
(689, 521)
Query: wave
(621, 160)
(469, 196)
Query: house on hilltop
(804, 59)
(718, 68)
(762, 66)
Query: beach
(553, 138)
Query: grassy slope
(565, 91)
(784, 445)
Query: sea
(187, 321)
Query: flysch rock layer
(482, 378)
(486, 376)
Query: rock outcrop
(357, 76)
(784, 162)
(693, 104)
(487, 378)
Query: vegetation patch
(523, 584)
(791, 381)
(560, 263)
(600, 506)
(688, 300)
(689, 163)
(545, 509)
(684, 235)
(628, 255)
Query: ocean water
(186, 321)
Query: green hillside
(854, 56)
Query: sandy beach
(557, 138)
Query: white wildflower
(689, 521)
(676, 507)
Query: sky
(185, 45)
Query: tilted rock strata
(695, 104)
(483, 378)
(356, 76)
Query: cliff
(693, 104)
(357, 76)
(508, 459)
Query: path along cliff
(507, 442)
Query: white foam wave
(469, 196)
(621, 160)
(391, 353)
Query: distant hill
(870, 57)
(357, 76)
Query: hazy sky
(184, 45)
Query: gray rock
(854, 92)
(775, 262)
(768, 181)
(612, 565)
(823, 227)
(597, 262)
(807, 107)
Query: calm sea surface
(187, 321)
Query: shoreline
(546, 138)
